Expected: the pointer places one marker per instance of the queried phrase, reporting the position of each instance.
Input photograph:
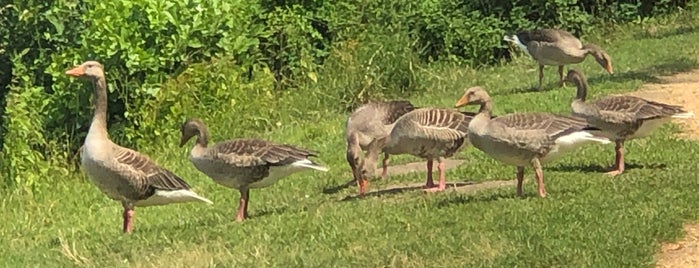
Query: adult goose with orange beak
(524, 139)
(121, 173)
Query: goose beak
(461, 102)
(609, 68)
(76, 71)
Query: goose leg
(541, 75)
(520, 179)
(430, 182)
(619, 160)
(384, 171)
(442, 179)
(128, 218)
(539, 177)
(560, 76)
(243, 206)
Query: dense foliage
(167, 60)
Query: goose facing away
(244, 164)
(371, 121)
(121, 173)
(621, 118)
(524, 139)
(429, 133)
(558, 47)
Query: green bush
(168, 60)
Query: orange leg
(384, 171)
(560, 75)
(541, 75)
(539, 177)
(619, 160)
(520, 179)
(128, 220)
(243, 205)
(442, 179)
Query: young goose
(244, 163)
(557, 47)
(121, 173)
(621, 118)
(524, 139)
(368, 122)
(428, 133)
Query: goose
(244, 164)
(525, 139)
(558, 47)
(621, 118)
(371, 121)
(121, 173)
(429, 133)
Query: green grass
(588, 220)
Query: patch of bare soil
(680, 89)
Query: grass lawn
(588, 220)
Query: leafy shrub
(222, 60)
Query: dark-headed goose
(244, 164)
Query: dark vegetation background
(238, 61)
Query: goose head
(192, 127)
(577, 78)
(473, 96)
(91, 70)
(601, 56)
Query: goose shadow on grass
(595, 168)
(395, 170)
(496, 196)
(401, 189)
(647, 75)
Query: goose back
(374, 120)
(550, 46)
(626, 116)
(429, 133)
(128, 176)
(251, 163)
(516, 139)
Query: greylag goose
(557, 47)
(121, 173)
(524, 139)
(243, 164)
(621, 118)
(371, 121)
(428, 133)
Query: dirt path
(681, 89)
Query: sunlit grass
(588, 220)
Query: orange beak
(76, 71)
(462, 101)
(609, 68)
(363, 185)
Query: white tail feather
(162, 197)
(581, 136)
(689, 114)
(308, 164)
(514, 39)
